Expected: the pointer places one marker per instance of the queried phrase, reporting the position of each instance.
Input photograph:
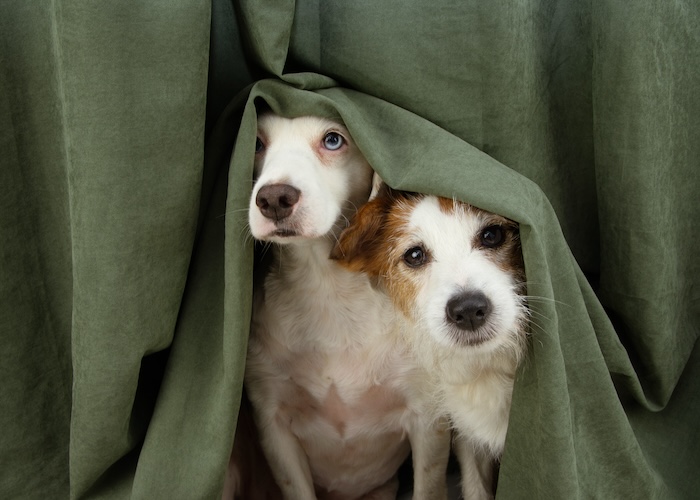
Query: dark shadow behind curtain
(125, 273)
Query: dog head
(310, 177)
(452, 268)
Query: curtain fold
(102, 151)
(125, 268)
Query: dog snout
(468, 310)
(276, 201)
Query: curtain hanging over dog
(125, 277)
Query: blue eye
(333, 141)
(258, 145)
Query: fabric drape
(126, 142)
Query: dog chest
(480, 408)
(336, 395)
(327, 311)
(348, 425)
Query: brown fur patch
(361, 241)
(447, 205)
(370, 243)
(399, 280)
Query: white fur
(475, 382)
(457, 265)
(336, 393)
(472, 380)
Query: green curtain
(126, 139)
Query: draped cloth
(127, 132)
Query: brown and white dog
(337, 395)
(456, 273)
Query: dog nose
(276, 201)
(468, 310)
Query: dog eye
(492, 236)
(333, 141)
(259, 146)
(415, 257)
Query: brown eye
(492, 236)
(415, 257)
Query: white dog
(336, 394)
(457, 274)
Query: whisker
(539, 298)
(236, 211)
(266, 248)
(532, 315)
(352, 204)
(246, 233)
(535, 327)
(335, 237)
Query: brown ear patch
(374, 241)
(358, 245)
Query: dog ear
(358, 245)
(377, 185)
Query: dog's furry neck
(329, 298)
(474, 386)
(467, 365)
(305, 254)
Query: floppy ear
(377, 184)
(359, 244)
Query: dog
(248, 475)
(336, 393)
(456, 273)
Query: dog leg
(288, 463)
(430, 449)
(477, 471)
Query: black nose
(276, 201)
(468, 310)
